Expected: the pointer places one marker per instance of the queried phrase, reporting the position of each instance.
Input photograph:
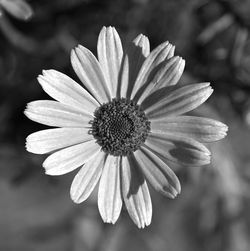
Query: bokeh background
(212, 212)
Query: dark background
(212, 212)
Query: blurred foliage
(211, 213)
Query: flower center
(120, 127)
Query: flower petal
(201, 129)
(158, 55)
(168, 74)
(70, 158)
(89, 72)
(160, 176)
(53, 139)
(135, 193)
(53, 113)
(65, 90)
(177, 101)
(184, 151)
(136, 53)
(110, 52)
(18, 8)
(87, 178)
(109, 194)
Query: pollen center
(120, 127)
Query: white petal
(158, 55)
(136, 53)
(89, 72)
(166, 102)
(201, 129)
(53, 139)
(53, 113)
(65, 90)
(135, 193)
(143, 43)
(87, 178)
(168, 74)
(160, 176)
(184, 151)
(124, 82)
(109, 194)
(68, 159)
(110, 52)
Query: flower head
(126, 128)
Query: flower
(126, 128)
(19, 9)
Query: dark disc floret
(120, 127)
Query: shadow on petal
(157, 96)
(137, 179)
(131, 63)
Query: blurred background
(212, 212)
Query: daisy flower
(125, 127)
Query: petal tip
(173, 191)
(27, 146)
(47, 73)
(172, 50)
(73, 196)
(141, 36)
(178, 187)
(25, 112)
(223, 129)
(75, 200)
(110, 30)
(208, 90)
(205, 151)
(109, 220)
(166, 43)
(43, 73)
(50, 172)
(143, 224)
(140, 39)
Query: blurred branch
(239, 44)
(219, 25)
(228, 8)
(19, 9)
(15, 37)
